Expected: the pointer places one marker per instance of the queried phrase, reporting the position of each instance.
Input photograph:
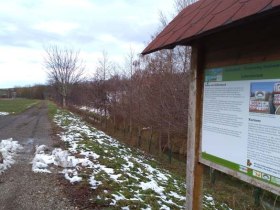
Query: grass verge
(16, 106)
(120, 177)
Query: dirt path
(20, 188)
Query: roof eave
(189, 40)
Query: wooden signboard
(241, 122)
(234, 120)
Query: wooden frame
(194, 168)
(224, 49)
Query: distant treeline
(31, 92)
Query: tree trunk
(124, 128)
(170, 154)
(100, 118)
(150, 140)
(169, 145)
(105, 110)
(63, 101)
(130, 128)
(160, 142)
(257, 196)
(114, 122)
(212, 176)
(139, 137)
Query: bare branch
(64, 69)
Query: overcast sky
(91, 26)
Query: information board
(241, 119)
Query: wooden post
(194, 168)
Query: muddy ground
(20, 188)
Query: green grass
(15, 106)
(52, 109)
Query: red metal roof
(204, 16)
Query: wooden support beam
(194, 168)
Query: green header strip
(220, 161)
(257, 71)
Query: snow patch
(40, 163)
(63, 159)
(58, 157)
(153, 185)
(176, 195)
(8, 149)
(94, 183)
(41, 149)
(71, 175)
(93, 110)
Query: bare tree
(182, 4)
(64, 69)
(102, 75)
(130, 64)
(103, 70)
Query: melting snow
(71, 175)
(94, 184)
(93, 110)
(60, 158)
(41, 149)
(152, 185)
(109, 163)
(40, 163)
(176, 195)
(8, 149)
(4, 113)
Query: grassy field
(15, 106)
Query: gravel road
(20, 188)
